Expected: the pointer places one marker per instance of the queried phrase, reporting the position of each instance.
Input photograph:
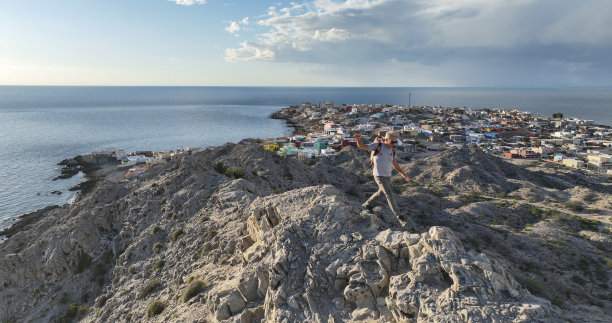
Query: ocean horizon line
(318, 87)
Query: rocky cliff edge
(199, 241)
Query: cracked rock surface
(286, 242)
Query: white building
(474, 137)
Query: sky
(405, 43)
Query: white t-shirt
(383, 161)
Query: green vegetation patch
(537, 211)
(149, 287)
(224, 260)
(155, 308)
(107, 257)
(505, 204)
(64, 299)
(98, 272)
(159, 264)
(471, 197)
(234, 173)
(220, 167)
(575, 206)
(177, 234)
(84, 262)
(157, 246)
(156, 229)
(73, 312)
(556, 242)
(587, 224)
(193, 289)
(211, 234)
(534, 286)
(101, 300)
(578, 280)
(501, 195)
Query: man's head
(390, 137)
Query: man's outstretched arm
(397, 167)
(360, 143)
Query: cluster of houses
(138, 163)
(324, 129)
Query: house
(320, 145)
(349, 142)
(364, 127)
(135, 172)
(270, 146)
(542, 150)
(146, 153)
(155, 161)
(598, 161)
(474, 137)
(327, 152)
(177, 155)
(527, 153)
(573, 162)
(106, 155)
(288, 150)
(456, 138)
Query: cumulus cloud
(188, 2)
(485, 34)
(248, 51)
(233, 27)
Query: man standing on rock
(384, 163)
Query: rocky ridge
(238, 234)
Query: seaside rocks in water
(27, 219)
(80, 163)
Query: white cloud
(245, 21)
(248, 52)
(188, 2)
(333, 34)
(500, 35)
(233, 27)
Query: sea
(42, 125)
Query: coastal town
(322, 130)
(181, 235)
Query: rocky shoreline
(239, 234)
